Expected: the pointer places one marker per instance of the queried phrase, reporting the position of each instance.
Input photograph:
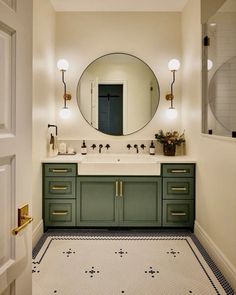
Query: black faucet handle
(129, 146)
(136, 147)
(107, 146)
(142, 146)
(100, 148)
(93, 146)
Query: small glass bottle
(152, 149)
(83, 148)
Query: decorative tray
(66, 154)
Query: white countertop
(159, 158)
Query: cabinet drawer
(60, 169)
(178, 188)
(59, 187)
(178, 170)
(59, 213)
(178, 213)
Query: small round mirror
(118, 94)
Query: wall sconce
(173, 66)
(63, 66)
(209, 64)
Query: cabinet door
(140, 201)
(59, 187)
(178, 170)
(178, 213)
(178, 188)
(97, 201)
(59, 169)
(59, 213)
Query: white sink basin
(118, 164)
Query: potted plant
(170, 140)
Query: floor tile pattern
(124, 264)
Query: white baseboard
(37, 233)
(225, 266)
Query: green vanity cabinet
(178, 181)
(118, 201)
(71, 200)
(59, 195)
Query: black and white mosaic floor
(101, 264)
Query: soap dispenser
(83, 148)
(152, 149)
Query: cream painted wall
(216, 157)
(43, 93)
(82, 37)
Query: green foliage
(170, 137)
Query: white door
(15, 143)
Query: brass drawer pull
(117, 188)
(178, 189)
(60, 213)
(179, 171)
(60, 170)
(121, 189)
(58, 188)
(178, 214)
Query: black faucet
(100, 148)
(129, 146)
(107, 146)
(93, 146)
(136, 147)
(142, 146)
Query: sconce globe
(174, 64)
(65, 113)
(62, 65)
(209, 64)
(171, 113)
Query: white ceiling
(118, 5)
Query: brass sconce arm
(170, 96)
(66, 96)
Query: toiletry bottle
(83, 148)
(152, 149)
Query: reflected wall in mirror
(219, 72)
(118, 94)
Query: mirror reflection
(219, 77)
(118, 94)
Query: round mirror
(118, 94)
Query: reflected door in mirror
(110, 109)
